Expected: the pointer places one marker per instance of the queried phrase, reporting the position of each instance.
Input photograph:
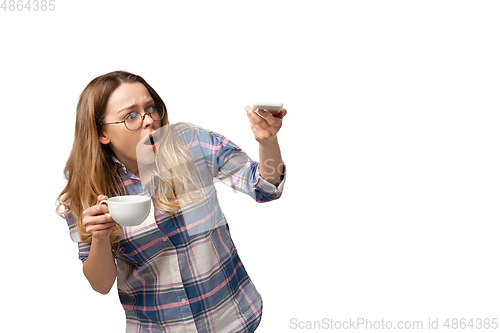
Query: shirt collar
(119, 165)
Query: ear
(103, 138)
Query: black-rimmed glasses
(133, 121)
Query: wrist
(269, 142)
(101, 241)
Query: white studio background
(390, 210)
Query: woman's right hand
(95, 222)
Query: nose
(147, 120)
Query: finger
(96, 220)
(271, 127)
(95, 210)
(253, 114)
(100, 227)
(90, 226)
(268, 117)
(262, 134)
(262, 118)
(101, 198)
(282, 113)
(97, 214)
(264, 126)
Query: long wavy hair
(90, 170)
(172, 182)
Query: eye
(151, 109)
(131, 116)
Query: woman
(178, 271)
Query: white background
(391, 206)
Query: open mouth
(151, 138)
(151, 141)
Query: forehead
(128, 94)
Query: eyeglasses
(133, 121)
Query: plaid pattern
(181, 272)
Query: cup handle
(105, 202)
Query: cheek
(125, 144)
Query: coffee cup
(128, 210)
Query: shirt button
(183, 301)
(164, 239)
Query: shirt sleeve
(233, 167)
(83, 248)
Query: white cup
(128, 210)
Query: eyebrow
(133, 106)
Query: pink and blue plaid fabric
(181, 272)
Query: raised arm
(265, 131)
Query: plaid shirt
(181, 272)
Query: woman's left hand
(265, 130)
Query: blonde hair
(171, 179)
(90, 170)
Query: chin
(145, 157)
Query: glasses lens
(133, 121)
(157, 112)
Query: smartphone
(270, 107)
